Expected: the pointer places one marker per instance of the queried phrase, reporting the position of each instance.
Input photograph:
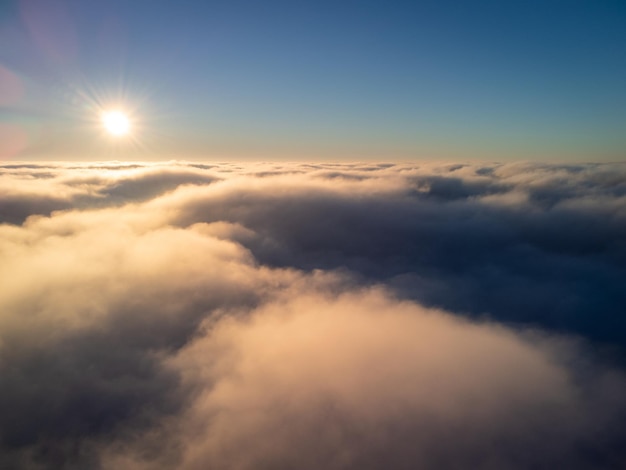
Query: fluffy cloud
(303, 316)
(360, 380)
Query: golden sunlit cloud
(116, 123)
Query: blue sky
(383, 80)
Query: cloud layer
(312, 316)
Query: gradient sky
(352, 80)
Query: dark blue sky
(317, 79)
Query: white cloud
(307, 316)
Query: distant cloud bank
(283, 316)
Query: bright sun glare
(116, 123)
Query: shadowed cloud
(312, 316)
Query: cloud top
(312, 316)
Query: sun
(116, 123)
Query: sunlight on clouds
(192, 316)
